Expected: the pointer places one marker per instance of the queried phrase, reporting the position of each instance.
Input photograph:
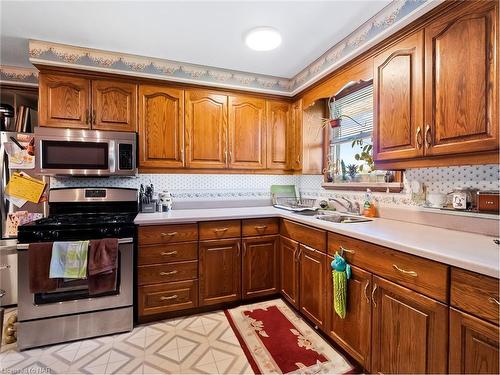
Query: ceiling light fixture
(263, 39)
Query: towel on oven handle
(69, 260)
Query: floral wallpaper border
(394, 16)
(18, 76)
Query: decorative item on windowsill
(352, 171)
(341, 272)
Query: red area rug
(276, 340)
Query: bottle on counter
(369, 208)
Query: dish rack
(295, 203)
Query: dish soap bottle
(369, 209)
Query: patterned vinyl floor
(196, 344)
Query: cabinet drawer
(213, 230)
(175, 252)
(155, 299)
(158, 234)
(422, 275)
(475, 294)
(315, 238)
(258, 227)
(161, 273)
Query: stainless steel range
(69, 312)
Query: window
(351, 141)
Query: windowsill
(393, 187)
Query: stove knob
(38, 235)
(104, 231)
(54, 234)
(117, 231)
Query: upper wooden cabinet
(436, 92)
(398, 91)
(461, 80)
(161, 126)
(279, 134)
(114, 105)
(247, 133)
(68, 101)
(206, 129)
(64, 101)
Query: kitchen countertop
(470, 251)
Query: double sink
(336, 217)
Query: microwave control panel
(125, 157)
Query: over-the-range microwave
(75, 152)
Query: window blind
(359, 106)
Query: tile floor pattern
(190, 345)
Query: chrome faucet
(351, 207)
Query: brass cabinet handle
(169, 234)
(220, 229)
(419, 137)
(409, 273)
(225, 157)
(238, 249)
(244, 249)
(428, 142)
(182, 155)
(295, 255)
(366, 292)
(373, 295)
(93, 117)
(87, 116)
(163, 298)
(260, 227)
(169, 252)
(494, 300)
(168, 273)
(344, 250)
(230, 156)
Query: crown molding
(18, 76)
(395, 16)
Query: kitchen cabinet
(353, 333)
(409, 330)
(69, 101)
(436, 102)
(220, 271)
(312, 270)
(260, 272)
(398, 84)
(474, 345)
(161, 126)
(247, 133)
(114, 105)
(279, 134)
(64, 101)
(461, 108)
(289, 270)
(206, 129)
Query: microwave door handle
(112, 156)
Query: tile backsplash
(246, 186)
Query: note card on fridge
(25, 187)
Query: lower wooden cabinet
(220, 271)
(161, 298)
(260, 266)
(474, 345)
(312, 284)
(289, 270)
(353, 333)
(409, 332)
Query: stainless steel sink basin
(344, 219)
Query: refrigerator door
(6, 206)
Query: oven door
(77, 152)
(72, 297)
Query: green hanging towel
(341, 273)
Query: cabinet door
(474, 345)
(114, 106)
(461, 109)
(312, 284)
(64, 101)
(296, 157)
(313, 137)
(410, 331)
(289, 270)
(353, 333)
(398, 95)
(279, 133)
(161, 127)
(206, 129)
(220, 271)
(247, 133)
(260, 266)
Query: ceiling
(203, 32)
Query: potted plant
(352, 171)
(365, 155)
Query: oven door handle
(24, 246)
